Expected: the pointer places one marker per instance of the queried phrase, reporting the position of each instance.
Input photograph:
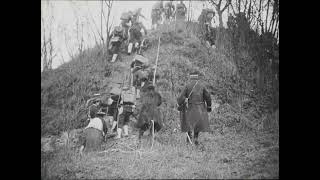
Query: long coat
(149, 110)
(195, 117)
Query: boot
(119, 130)
(114, 57)
(196, 135)
(125, 131)
(130, 48)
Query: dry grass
(218, 156)
(233, 154)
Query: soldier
(207, 33)
(94, 108)
(113, 111)
(116, 38)
(126, 21)
(139, 73)
(124, 118)
(194, 103)
(94, 132)
(150, 101)
(135, 35)
(181, 11)
(169, 10)
(156, 14)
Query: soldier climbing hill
(206, 32)
(135, 35)
(116, 39)
(194, 102)
(181, 11)
(156, 14)
(169, 10)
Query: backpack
(140, 59)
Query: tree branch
(214, 3)
(225, 7)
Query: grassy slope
(247, 154)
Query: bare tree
(219, 10)
(109, 4)
(47, 48)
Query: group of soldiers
(194, 103)
(129, 33)
(112, 112)
(167, 12)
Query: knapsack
(140, 59)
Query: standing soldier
(116, 39)
(181, 11)
(169, 10)
(194, 103)
(149, 110)
(126, 21)
(207, 33)
(156, 13)
(135, 35)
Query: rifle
(154, 74)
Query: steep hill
(244, 140)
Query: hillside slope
(240, 145)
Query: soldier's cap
(96, 100)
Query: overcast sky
(65, 14)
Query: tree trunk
(220, 19)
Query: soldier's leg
(196, 135)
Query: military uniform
(149, 110)
(193, 115)
(206, 31)
(156, 12)
(126, 18)
(169, 10)
(181, 11)
(116, 38)
(94, 133)
(135, 35)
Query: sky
(61, 18)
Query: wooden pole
(155, 71)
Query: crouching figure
(94, 132)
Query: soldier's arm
(182, 96)
(159, 99)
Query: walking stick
(152, 134)
(189, 138)
(155, 71)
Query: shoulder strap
(192, 88)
